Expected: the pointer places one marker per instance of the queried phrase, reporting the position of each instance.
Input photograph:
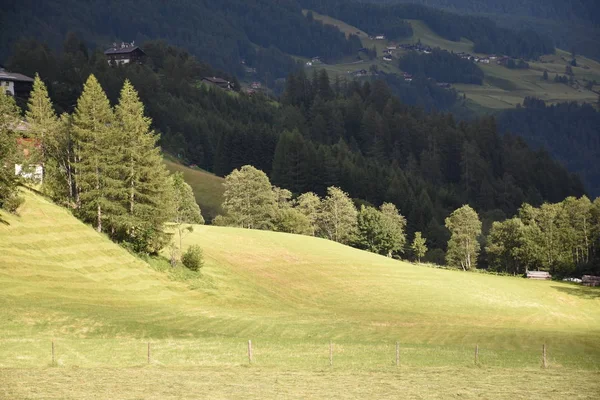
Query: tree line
(323, 132)
(261, 32)
(562, 238)
(252, 202)
(102, 162)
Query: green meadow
(208, 188)
(294, 297)
(502, 88)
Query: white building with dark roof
(124, 53)
(17, 85)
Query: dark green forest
(443, 66)
(572, 25)
(569, 131)
(485, 34)
(358, 136)
(221, 32)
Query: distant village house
(125, 53)
(218, 82)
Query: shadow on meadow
(585, 292)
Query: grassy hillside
(291, 295)
(503, 87)
(208, 188)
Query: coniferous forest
(323, 132)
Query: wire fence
(16, 353)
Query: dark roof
(123, 50)
(216, 80)
(13, 76)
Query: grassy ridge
(291, 295)
(208, 188)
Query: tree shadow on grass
(585, 292)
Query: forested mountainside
(569, 131)
(262, 33)
(483, 32)
(222, 33)
(357, 136)
(572, 25)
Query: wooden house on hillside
(14, 84)
(125, 53)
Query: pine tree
(290, 163)
(41, 118)
(146, 177)
(9, 118)
(418, 246)
(100, 193)
(59, 179)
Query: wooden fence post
(476, 354)
(250, 351)
(330, 353)
(148, 352)
(544, 361)
(397, 354)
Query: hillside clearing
(503, 88)
(291, 295)
(208, 188)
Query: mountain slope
(61, 279)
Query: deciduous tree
(418, 246)
(463, 247)
(249, 199)
(337, 217)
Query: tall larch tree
(145, 176)
(98, 159)
(9, 118)
(465, 228)
(42, 119)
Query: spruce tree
(43, 122)
(98, 163)
(145, 176)
(9, 118)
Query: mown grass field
(291, 295)
(503, 88)
(208, 188)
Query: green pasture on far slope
(502, 88)
(208, 188)
(291, 295)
